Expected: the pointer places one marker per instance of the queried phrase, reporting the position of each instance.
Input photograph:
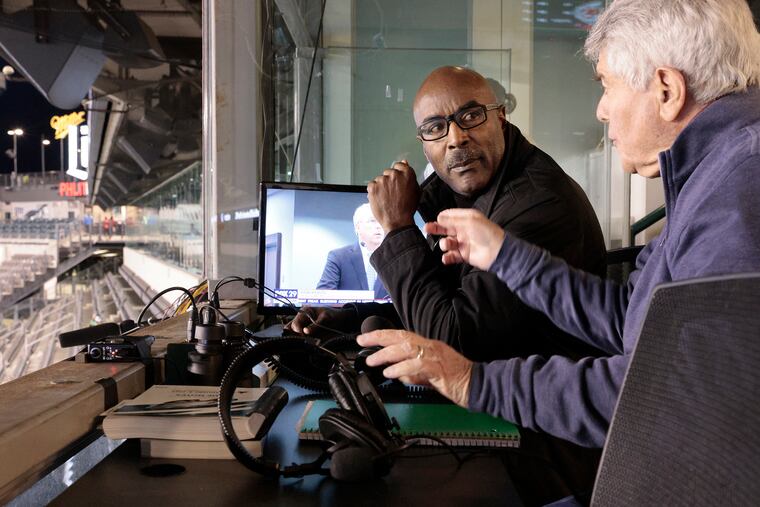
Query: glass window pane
(373, 56)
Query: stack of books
(177, 421)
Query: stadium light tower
(43, 144)
(15, 133)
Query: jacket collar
(438, 196)
(714, 126)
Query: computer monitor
(314, 246)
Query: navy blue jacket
(344, 270)
(711, 177)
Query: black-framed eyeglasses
(466, 118)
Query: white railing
(33, 343)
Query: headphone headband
(360, 430)
(239, 367)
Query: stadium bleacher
(32, 343)
(22, 269)
(36, 228)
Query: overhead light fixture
(112, 254)
(100, 252)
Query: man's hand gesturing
(394, 196)
(470, 237)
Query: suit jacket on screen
(344, 270)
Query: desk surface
(417, 479)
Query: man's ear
(670, 87)
(502, 115)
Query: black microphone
(372, 323)
(88, 334)
(375, 323)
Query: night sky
(21, 105)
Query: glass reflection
(167, 221)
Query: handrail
(646, 222)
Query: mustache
(459, 157)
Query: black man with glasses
(481, 161)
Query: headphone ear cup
(364, 456)
(337, 425)
(353, 464)
(341, 391)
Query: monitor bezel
(275, 185)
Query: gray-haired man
(681, 99)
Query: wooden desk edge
(46, 412)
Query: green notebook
(451, 423)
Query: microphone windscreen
(375, 322)
(352, 464)
(88, 334)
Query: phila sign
(72, 188)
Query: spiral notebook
(451, 423)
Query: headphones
(359, 431)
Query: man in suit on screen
(348, 267)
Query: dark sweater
(471, 310)
(711, 177)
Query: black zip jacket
(469, 309)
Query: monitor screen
(314, 246)
(562, 14)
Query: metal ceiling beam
(116, 181)
(105, 193)
(114, 120)
(130, 150)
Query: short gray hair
(714, 43)
(361, 213)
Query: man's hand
(417, 360)
(310, 318)
(394, 196)
(470, 237)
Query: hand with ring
(416, 360)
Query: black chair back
(686, 429)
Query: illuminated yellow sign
(61, 124)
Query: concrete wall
(22, 194)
